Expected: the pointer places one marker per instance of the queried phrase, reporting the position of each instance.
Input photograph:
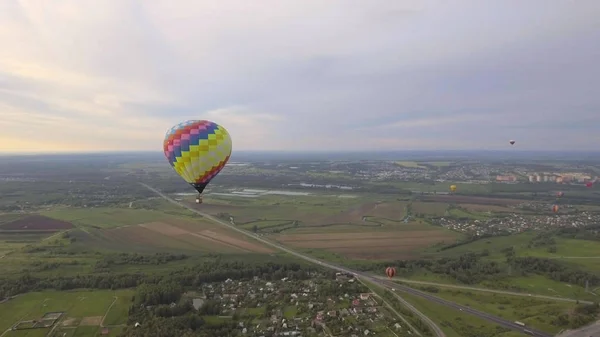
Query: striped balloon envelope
(198, 150)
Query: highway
(504, 292)
(388, 284)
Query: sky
(301, 75)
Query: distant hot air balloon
(197, 150)
(390, 272)
(555, 208)
(453, 188)
(560, 194)
(512, 142)
(589, 184)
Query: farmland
(365, 227)
(134, 230)
(84, 312)
(35, 222)
(105, 217)
(464, 199)
(378, 245)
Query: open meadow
(73, 313)
(538, 313)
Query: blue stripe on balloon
(210, 129)
(185, 145)
(194, 139)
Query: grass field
(578, 253)
(569, 250)
(533, 312)
(452, 322)
(106, 217)
(84, 311)
(429, 208)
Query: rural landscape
(115, 245)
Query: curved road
(388, 284)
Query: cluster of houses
(286, 307)
(517, 223)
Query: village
(518, 223)
(317, 307)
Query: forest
(473, 268)
(189, 276)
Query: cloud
(91, 75)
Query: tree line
(213, 271)
(473, 268)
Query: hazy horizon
(91, 75)
(423, 155)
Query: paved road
(385, 283)
(512, 293)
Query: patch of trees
(590, 232)
(554, 270)
(543, 239)
(180, 326)
(582, 315)
(137, 259)
(468, 268)
(39, 266)
(162, 293)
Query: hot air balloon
(512, 142)
(555, 208)
(452, 188)
(390, 272)
(197, 150)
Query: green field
(453, 322)
(533, 312)
(106, 217)
(568, 250)
(79, 307)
